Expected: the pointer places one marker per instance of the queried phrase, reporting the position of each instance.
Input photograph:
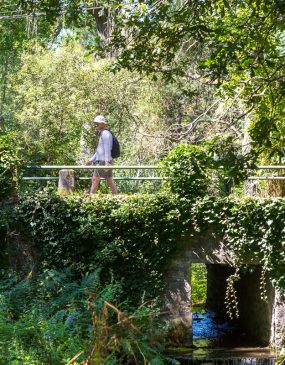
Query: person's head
(100, 122)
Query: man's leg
(95, 184)
(111, 183)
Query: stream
(218, 343)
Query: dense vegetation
(94, 249)
(198, 85)
(78, 254)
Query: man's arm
(92, 159)
(107, 144)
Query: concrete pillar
(177, 300)
(66, 182)
(278, 321)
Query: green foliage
(42, 318)
(127, 235)
(59, 91)
(231, 164)
(198, 284)
(216, 165)
(74, 12)
(49, 318)
(17, 33)
(118, 248)
(133, 236)
(256, 229)
(10, 163)
(119, 338)
(267, 128)
(53, 102)
(231, 300)
(237, 45)
(187, 170)
(239, 35)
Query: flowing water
(184, 360)
(218, 343)
(208, 332)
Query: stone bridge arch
(264, 321)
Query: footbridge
(67, 175)
(261, 321)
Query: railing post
(66, 182)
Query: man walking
(102, 156)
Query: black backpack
(115, 151)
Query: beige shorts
(102, 173)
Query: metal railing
(135, 167)
(92, 167)
(269, 167)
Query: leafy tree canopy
(235, 44)
(238, 45)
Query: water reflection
(208, 331)
(183, 360)
(218, 342)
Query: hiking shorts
(102, 173)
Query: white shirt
(103, 151)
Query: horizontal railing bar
(26, 178)
(128, 167)
(271, 167)
(97, 167)
(89, 178)
(40, 178)
(266, 178)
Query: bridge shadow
(250, 324)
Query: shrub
(231, 164)
(213, 167)
(10, 162)
(187, 170)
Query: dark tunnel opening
(212, 326)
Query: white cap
(100, 119)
